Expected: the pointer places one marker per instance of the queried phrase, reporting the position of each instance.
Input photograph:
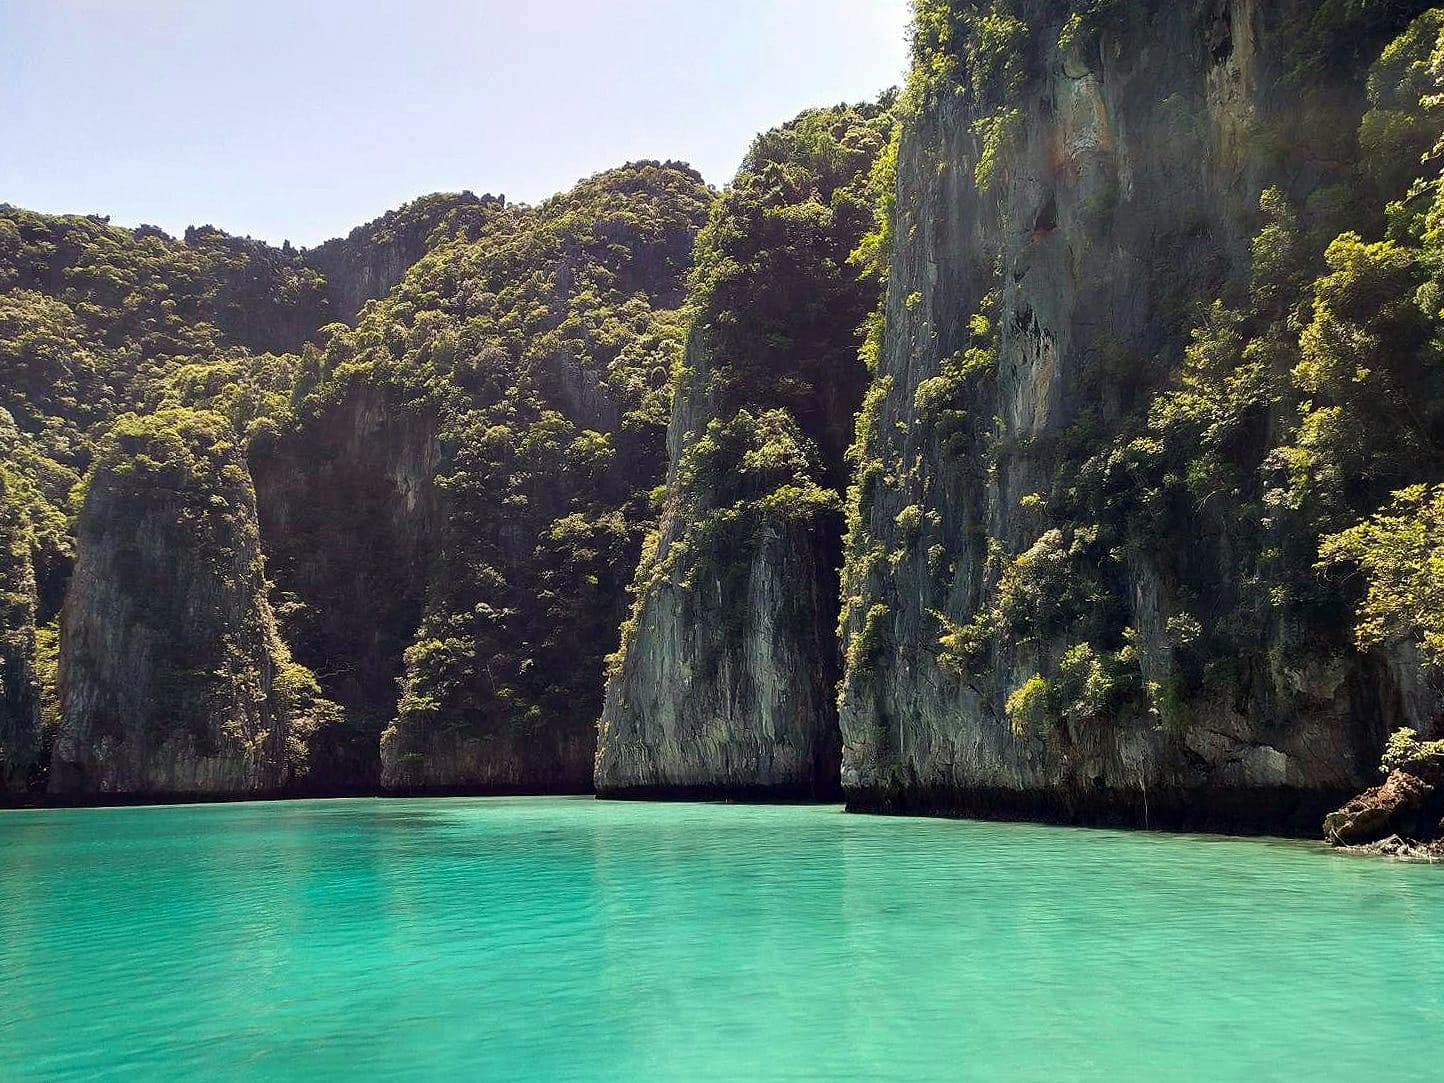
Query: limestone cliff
(465, 487)
(723, 681)
(173, 680)
(349, 519)
(723, 684)
(1037, 622)
(371, 259)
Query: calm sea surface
(574, 939)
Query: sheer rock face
(169, 647)
(725, 682)
(19, 693)
(349, 515)
(1130, 199)
(745, 711)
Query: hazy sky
(298, 119)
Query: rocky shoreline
(1403, 817)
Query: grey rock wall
(1127, 203)
(169, 650)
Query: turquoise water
(574, 939)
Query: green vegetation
(96, 321)
(774, 304)
(371, 259)
(1297, 437)
(19, 691)
(974, 51)
(537, 351)
(1301, 409)
(1401, 553)
(91, 316)
(766, 396)
(1405, 750)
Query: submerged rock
(173, 680)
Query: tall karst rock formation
(1079, 579)
(723, 683)
(173, 680)
(462, 498)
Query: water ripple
(581, 940)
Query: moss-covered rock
(173, 679)
(723, 680)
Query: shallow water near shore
(542, 938)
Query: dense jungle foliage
(98, 323)
(536, 355)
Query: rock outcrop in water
(1403, 816)
(1085, 513)
(173, 680)
(724, 679)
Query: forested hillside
(487, 438)
(97, 322)
(1061, 436)
(451, 493)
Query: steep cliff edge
(723, 680)
(1079, 579)
(371, 260)
(173, 680)
(350, 518)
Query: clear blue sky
(298, 119)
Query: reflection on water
(574, 939)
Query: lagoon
(573, 939)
